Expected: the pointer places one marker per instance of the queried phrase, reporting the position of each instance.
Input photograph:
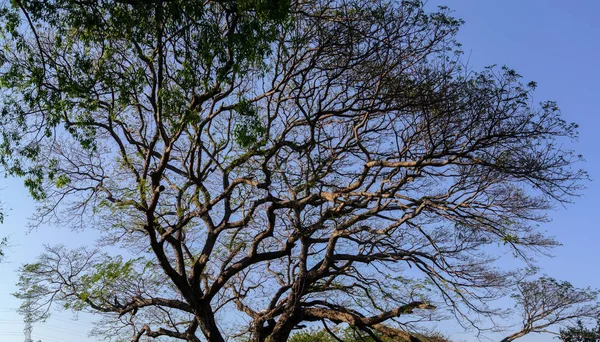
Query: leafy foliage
(580, 333)
(3, 243)
(249, 128)
(352, 334)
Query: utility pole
(28, 318)
(27, 330)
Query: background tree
(352, 334)
(3, 244)
(319, 161)
(546, 303)
(3, 240)
(580, 333)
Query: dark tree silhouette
(580, 333)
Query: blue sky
(24, 246)
(553, 42)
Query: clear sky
(553, 42)
(557, 44)
(24, 246)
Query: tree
(3, 244)
(547, 302)
(352, 334)
(286, 161)
(579, 333)
(3, 240)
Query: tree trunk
(208, 325)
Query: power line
(50, 338)
(32, 337)
(63, 330)
(67, 320)
(53, 317)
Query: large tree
(253, 165)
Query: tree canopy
(352, 334)
(580, 333)
(545, 303)
(256, 165)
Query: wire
(60, 329)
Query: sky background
(553, 42)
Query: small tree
(546, 303)
(312, 336)
(580, 333)
(352, 334)
(3, 244)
